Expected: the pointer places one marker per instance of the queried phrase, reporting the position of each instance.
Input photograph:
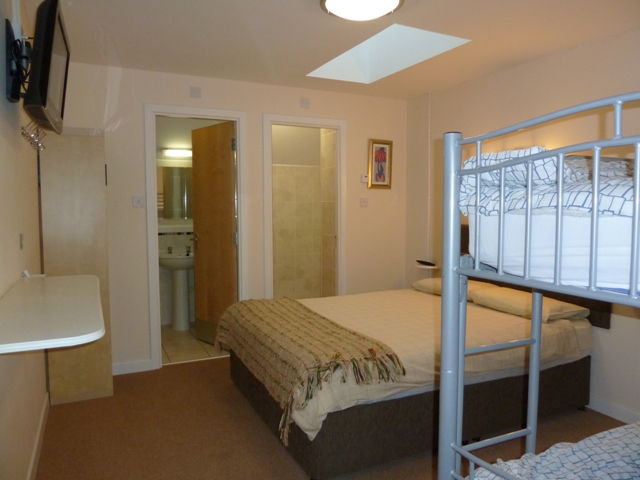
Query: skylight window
(390, 51)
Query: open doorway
(303, 207)
(304, 161)
(185, 228)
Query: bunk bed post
(534, 370)
(449, 358)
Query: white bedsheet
(409, 322)
(614, 247)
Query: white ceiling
(280, 41)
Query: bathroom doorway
(303, 208)
(178, 204)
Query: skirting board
(134, 367)
(37, 448)
(615, 411)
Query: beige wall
(292, 145)
(23, 397)
(113, 99)
(588, 72)
(419, 197)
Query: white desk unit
(43, 312)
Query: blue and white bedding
(611, 454)
(616, 184)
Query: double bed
(563, 221)
(346, 426)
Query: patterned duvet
(611, 454)
(616, 184)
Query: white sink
(179, 262)
(176, 260)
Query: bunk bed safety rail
(631, 292)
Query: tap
(188, 250)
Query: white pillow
(434, 286)
(518, 302)
(544, 171)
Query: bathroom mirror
(175, 192)
(174, 164)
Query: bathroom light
(176, 153)
(360, 10)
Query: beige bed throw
(293, 351)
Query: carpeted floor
(188, 421)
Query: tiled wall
(297, 259)
(179, 241)
(304, 231)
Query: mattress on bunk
(614, 247)
(611, 454)
(615, 207)
(408, 321)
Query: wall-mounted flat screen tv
(45, 96)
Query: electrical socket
(137, 201)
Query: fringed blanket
(292, 350)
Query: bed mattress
(409, 322)
(614, 247)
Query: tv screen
(45, 96)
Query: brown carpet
(188, 421)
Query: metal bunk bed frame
(456, 269)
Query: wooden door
(74, 242)
(214, 225)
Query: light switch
(364, 202)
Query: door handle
(194, 239)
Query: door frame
(151, 111)
(268, 121)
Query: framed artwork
(380, 156)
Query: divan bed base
(367, 435)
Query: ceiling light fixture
(360, 10)
(176, 153)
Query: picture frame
(380, 158)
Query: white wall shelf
(43, 312)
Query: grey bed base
(456, 269)
(367, 435)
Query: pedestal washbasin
(176, 260)
(179, 262)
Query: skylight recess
(390, 51)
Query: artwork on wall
(380, 155)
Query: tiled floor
(185, 347)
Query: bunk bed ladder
(454, 299)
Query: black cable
(21, 65)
